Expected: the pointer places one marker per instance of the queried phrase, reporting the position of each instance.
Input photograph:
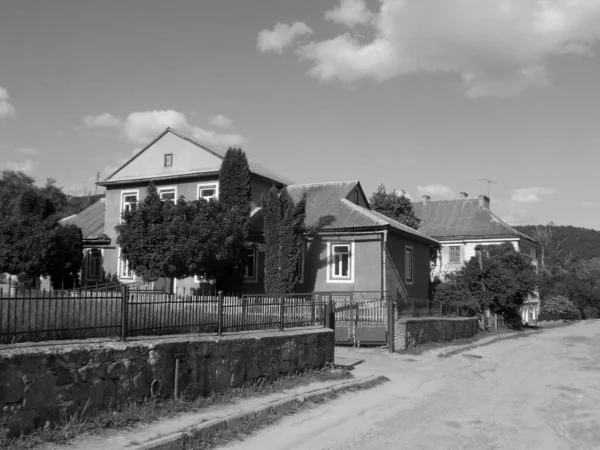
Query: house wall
(396, 245)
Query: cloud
(141, 127)
(436, 191)
(519, 216)
(587, 204)
(7, 110)
(220, 121)
(531, 194)
(496, 48)
(19, 166)
(26, 151)
(350, 13)
(105, 120)
(281, 36)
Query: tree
(32, 241)
(500, 281)
(284, 237)
(395, 205)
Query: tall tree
(284, 237)
(395, 205)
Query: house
(462, 224)
(359, 249)
(179, 166)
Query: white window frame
(252, 278)
(450, 254)
(90, 266)
(124, 263)
(200, 186)
(165, 160)
(168, 189)
(135, 192)
(331, 278)
(408, 250)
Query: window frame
(253, 278)
(450, 261)
(125, 193)
(160, 190)
(167, 155)
(94, 254)
(409, 265)
(208, 185)
(123, 262)
(331, 278)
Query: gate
(360, 318)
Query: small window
(168, 159)
(208, 191)
(250, 268)
(408, 264)
(94, 265)
(340, 256)
(454, 254)
(168, 194)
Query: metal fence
(77, 314)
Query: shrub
(559, 305)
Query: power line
(489, 181)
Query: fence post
(220, 313)
(390, 325)
(124, 311)
(281, 312)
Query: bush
(591, 313)
(559, 305)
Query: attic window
(355, 197)
(168, 159)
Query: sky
(426, 96)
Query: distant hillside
(582, 243)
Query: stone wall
(410, 332)
(50, 382)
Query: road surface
(538, 392)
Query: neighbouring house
(462, 224)
(358, 249)
(95, 241)
(179, 166)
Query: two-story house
(462, 224)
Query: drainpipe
(383, 261)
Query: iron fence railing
(76, 314)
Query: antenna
(488, 181)
(96, 186)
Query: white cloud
(281, 36)
(220, 121)
(7, 110)
(19, 166)
(495, 47)
(350, 13)
(587, 204)
(530, 194)
(105, 120)
(436, 191)
(26, 151)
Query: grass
(127, 414)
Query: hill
(576, 243)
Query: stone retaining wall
(52, 382)
(410, 332)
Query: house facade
(462, 224)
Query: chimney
(484, 202)
(464, 194)
(425, 199)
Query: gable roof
(219, 152)
(91, 221)
(329, 199)
(463, 219)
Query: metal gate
(360, 318)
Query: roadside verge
(485, 341)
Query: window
(341, 264)
(124, 269)
(208, 190)
(408, 264)
(169, 193)
(454, 254)
(127, 200)
(94, 265)
(250, 272)
(168, 159)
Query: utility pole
(488, 181)
(96, 185)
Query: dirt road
(538, 392)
